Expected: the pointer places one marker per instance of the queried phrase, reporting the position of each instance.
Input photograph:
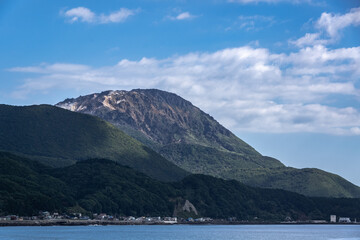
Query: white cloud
(182, 16)
(80, 14)
(310, 39)
(54, 68)
(330, 25)
(355, 130)
(116, 17)
(333, 23)
(83, 14)
(245, 88)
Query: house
(333, 218)
(101, 216)
(170, 220)
(44, 215)
(344, 220)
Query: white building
(170, 220)
(333, 218)
(344, 220)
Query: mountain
(103, 186)
(173, 127)
(196, 142)
(57, 137)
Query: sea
(183, 232)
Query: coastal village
(45, 218)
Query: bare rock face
(160, 116)
(184, 209)
(189, 207)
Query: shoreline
(66, 222)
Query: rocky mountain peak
(161, 116)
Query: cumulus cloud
(245, 88)
(82, 14)
(333, 23)
(329, 26)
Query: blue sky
(283, 75)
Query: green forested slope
(103, 186)
(57, 137)
(308, 181)
(26, 187)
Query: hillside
(57, 137)
(103, 186)
(26, 187)
(196, 142)
(308, 181)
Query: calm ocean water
(206, 232)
